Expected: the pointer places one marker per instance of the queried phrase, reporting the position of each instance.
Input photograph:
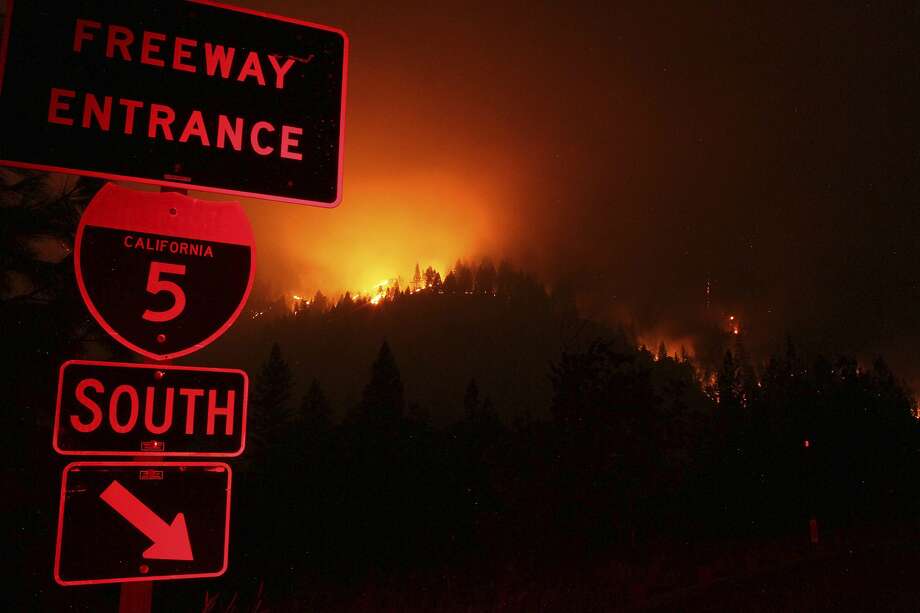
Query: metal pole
(137, 596)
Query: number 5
(155, 285)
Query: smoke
(636, 152)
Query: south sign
(189, 94)
(110, 408)
(162, 273)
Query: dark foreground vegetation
(633, 479)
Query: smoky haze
(637, 152)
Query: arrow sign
(160, 504)
(170, 541)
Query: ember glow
(678, 347)
(734, 326)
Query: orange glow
(675, 346)
(380, 292)
(421, 184)
(383, 228)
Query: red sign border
(190, 454)
(204, 188)
(139, 465)
(77, 249)
(5, 41)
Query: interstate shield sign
(162, 273)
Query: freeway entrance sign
(157, 520)
(187, 94)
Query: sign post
(182, 94)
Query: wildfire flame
(676, 347)
(381, 290)
(734, 326)
(375, 295)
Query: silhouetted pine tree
(450, 283)
(270, 403)
(320, 303)
(345, 303)
(315, 414)
(271, 503)
(728, 385)
(485, 278)
(747, 377)
(44, 323)
(382, 400)
(563, 301)
(432, 278)
(464, 276)
(504, 279)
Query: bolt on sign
(117, 409)
(162, 273)
(181, 93)
(158, 520)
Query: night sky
(636, 151)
